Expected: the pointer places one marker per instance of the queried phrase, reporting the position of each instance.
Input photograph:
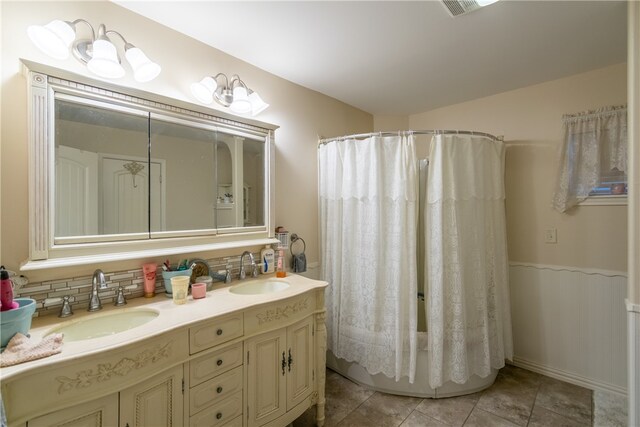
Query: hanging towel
(299, 263)
(20, 349)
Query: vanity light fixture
(232, 93)
(99, 54)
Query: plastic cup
(199, 290)
(180, 285)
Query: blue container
(16, 320)
(167, 275)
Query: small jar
(207, 280)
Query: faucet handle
(227, 275)
(65, 310)
(120, 299)
(254, 272)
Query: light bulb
(104, 60)
(240, 104)
(54, 39)
(143, 69)
(257, 104)
(204, 89)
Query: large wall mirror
(147, 174)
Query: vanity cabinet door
(97, 413)
(156, 402)
(300, 362)
(266, 377)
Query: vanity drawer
(215, 389)
(226, 412)
(209, 365)
(213, 333)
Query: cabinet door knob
(290, 361)
(219, 390)
(219, 362)
(219, 332)
(219, 415)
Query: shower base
(419, 388)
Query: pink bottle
(6, 291)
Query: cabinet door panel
(155, 402)
(101, 412)
(266, 383)
(300, 359)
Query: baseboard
(567, 376)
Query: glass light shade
(143, 69)
(203, 90)
(257, 104)
(483, 3)
(104, 60)
(54, 39)
(240, 104)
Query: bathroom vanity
(247, 355)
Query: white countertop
(171, 316)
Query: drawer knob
(219, 332)
(219, 362)
(219, 390)
(219, 415)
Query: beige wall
(390, 123)
(302, 115)
(530, 120)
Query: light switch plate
(551, 235)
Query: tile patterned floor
(517, 398)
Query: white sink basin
(255, 288)
(103, 325)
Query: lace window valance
(595, 143)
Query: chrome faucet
(254, 272)
(98, 282)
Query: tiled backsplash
(48, 294)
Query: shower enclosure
(413, 245)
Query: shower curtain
(467, 295)
(368, 228)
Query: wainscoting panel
(571, 324)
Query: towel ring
(295, 238)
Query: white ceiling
(399, 58)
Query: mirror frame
(47, 251)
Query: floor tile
(541, 417)
(418, 419)
(480, 418)
(520, 376)
(453, 410)
(391, 405)
(508, 401)
(308, 419)
(609, 409)
(566, 399)
(342, 397)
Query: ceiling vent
(460, 7)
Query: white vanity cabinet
(260, 363)
(157, 401)
(280, 371)
(97, 413)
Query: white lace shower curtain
(468, 309)
(595, 142)
(368, 224)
